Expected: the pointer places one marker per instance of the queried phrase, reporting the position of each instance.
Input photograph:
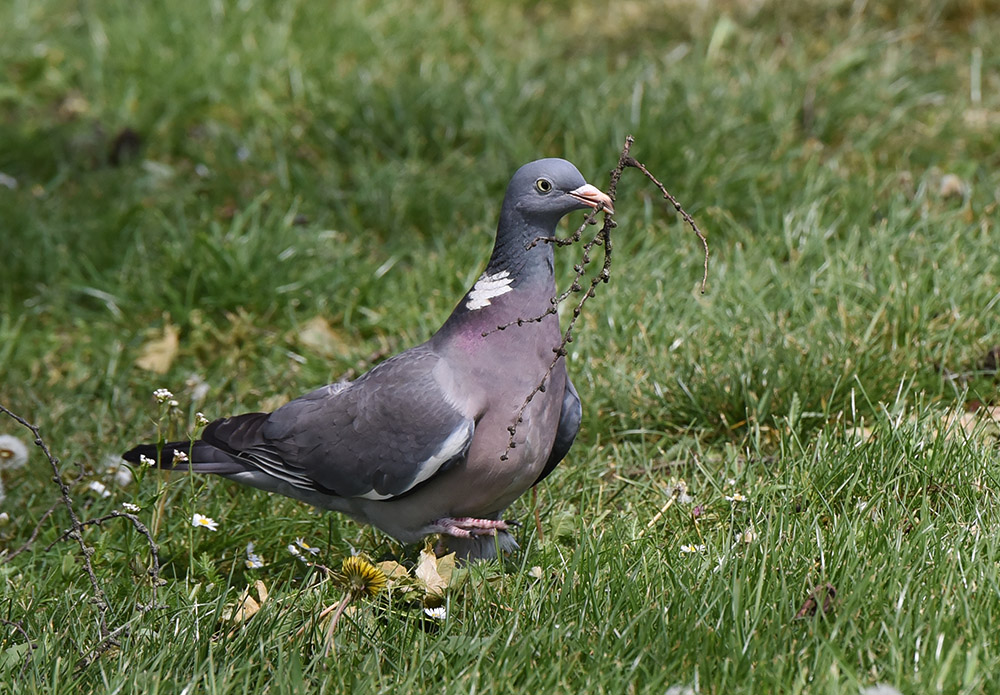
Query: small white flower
(180, 456)
(162, 395)
(692, 548)
(99, 487)
(4, 518)
(305, 546)
(253, 561)
(146, 461)
(201, 520)
(297, 553)
(439, 613)
(200, 420)
(736, 497)
(13, 452)
(132, 508)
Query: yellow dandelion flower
(361, 577)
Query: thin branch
(154, 571)
(32, 537)
(602, 239)
(100, 599)
(104, 644)
(677, 206)
(108, 637)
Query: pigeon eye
(543, 185)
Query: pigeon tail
(197, 457)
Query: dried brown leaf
(319, 336)
(429, 571)
(393, 570)
(820, 600)
(159, 353)
(246, 606)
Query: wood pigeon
(419, 444)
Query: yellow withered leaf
(159, 353)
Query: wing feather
(378, 437)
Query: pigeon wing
(377, 438)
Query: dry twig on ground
(108, 637)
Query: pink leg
(467, 527)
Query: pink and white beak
(593, 196)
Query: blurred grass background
(236, 170)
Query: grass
(297, 160)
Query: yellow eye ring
(543, 185)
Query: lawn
(785, 484)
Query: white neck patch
(487, 287)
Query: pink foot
(467, 527)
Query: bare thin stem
(603, 239)
(33, 536)
(677, 206)
(100, 599)
(108, 637)
(333, 623)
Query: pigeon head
(545, 190)
(539, 195)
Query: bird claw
(468, 527)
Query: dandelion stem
(333, 623)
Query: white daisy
(206, 522)
(99, 487)
(305, 546)
(253, 561)
(13, 452)
(297, 553)
(439, 613)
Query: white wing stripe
(450, 448)
(271, 464)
